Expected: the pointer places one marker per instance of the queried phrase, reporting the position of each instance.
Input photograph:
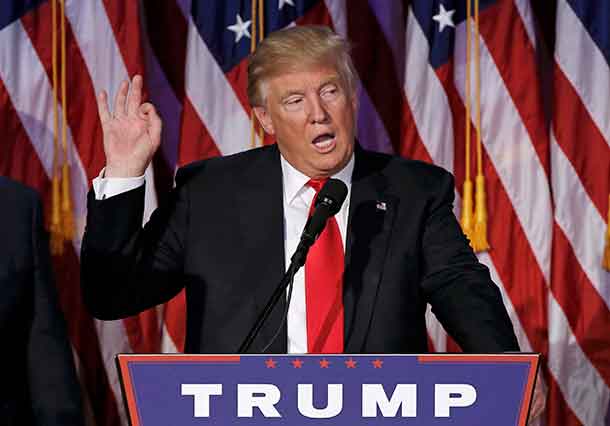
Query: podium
(434, 389)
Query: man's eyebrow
(289, 93)
(331, 80)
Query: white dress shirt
(298, 197)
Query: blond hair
(294, 48)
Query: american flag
(545, 130)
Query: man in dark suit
(231, 225)
(39, 385)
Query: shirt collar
(295, 181)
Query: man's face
(312, 113)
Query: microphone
(328, 203)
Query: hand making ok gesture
(132, 132)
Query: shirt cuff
(109, 187)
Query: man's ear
(264, 119)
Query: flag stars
(240, 28)
(324, 363)
(297, 363)
(282, 3)
(270, 363)
(444, 18)
(377, 363)
(350, 363)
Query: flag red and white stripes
(547, 174)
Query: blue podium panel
(435, 390)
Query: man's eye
(293, 104)
(330, 93)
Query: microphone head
(332, 194)
(328, 203)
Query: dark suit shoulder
(17, 192)
(19, 199)
(407, 173)
(225, 167)
(416, 168)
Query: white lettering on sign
(201, 396)
(403, 397)
(402, 402)
(334, 403)
(262, 396)
(452, 395)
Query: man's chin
(329, 168)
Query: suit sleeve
(55, 393)
(459, 288)
(125, 268)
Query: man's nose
(317, 110)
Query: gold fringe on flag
(606, 259)
(479, 233)
(467, 213)
(66, 204)
(57, 240)
(258, 29)
(62, 221)
(55, 228)
(66, 193)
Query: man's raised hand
(132, 133)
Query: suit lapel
(262, 226)
(371, 216)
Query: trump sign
(331, 389)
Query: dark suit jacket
(221, 236)
(39, 383)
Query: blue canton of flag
(10, 11)
(226, 26)
(434, 18)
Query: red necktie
(324, 287)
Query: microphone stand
(297, 260)
(275, 297)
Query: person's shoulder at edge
(15, 194)
(223, 166)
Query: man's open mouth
(324, 142)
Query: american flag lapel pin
(381, 205)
